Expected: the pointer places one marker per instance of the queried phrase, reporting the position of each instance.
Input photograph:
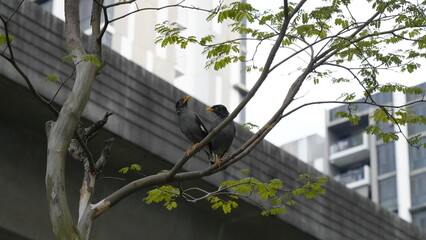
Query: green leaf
(3, 39)
(298, 191)
(380, 116)
(227, 207)
(322, 179)
(124, 170)
(165, 194)
(136, 167)
(68, 57)
(170, 205)
(372, 129)
(276, 183)
(273, 211)
(249, 126)
(92, 59)
(52, 78)
(354, 119)
(291, 203)
(245, 172)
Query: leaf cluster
(249, 126)
(134, 167)
(3, 39)
(166, 194)
(401, 117)
(272, 193)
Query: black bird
(191, 125)
(223, 140)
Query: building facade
(134, 38)
(392, 174)
(309, 149)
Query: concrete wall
(145, 126)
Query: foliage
(68, 57)
(166, 194)
(401, 117)
(52, 78)
(134, 167)
(3, 39)
(249, 126)
(92, 59)
(272, 193)
(226, 206)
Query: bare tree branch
(152, 180)
(105, 155)
(91, 131)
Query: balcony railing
(354, 175)
(346, 143)
(350, 150)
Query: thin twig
(15, 11)
(62, 84)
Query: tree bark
(60, 133)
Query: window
(382, 98)
(386, 127)
(419, 109)
(387, 192)
(417, 156)
(352, 175)
(418, 189)
(386, 158)
(419, 219)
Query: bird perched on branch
(223, 140)
(191, 125)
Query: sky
(309, 120)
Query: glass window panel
(387, 192)
(386, 157)
(419, 109)
(418, 189)
(417, 156)
(419, 219)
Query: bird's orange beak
(186, 98)
(209, 109)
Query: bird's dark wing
(201, 124)
(208, 148)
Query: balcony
(349, 150)
(357, 179)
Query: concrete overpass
(145, 127)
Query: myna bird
(223, 140)
(191, 125)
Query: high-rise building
(134, 38)
(309, 149)
(391, 174)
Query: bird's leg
(218, 160)
(192, 149)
